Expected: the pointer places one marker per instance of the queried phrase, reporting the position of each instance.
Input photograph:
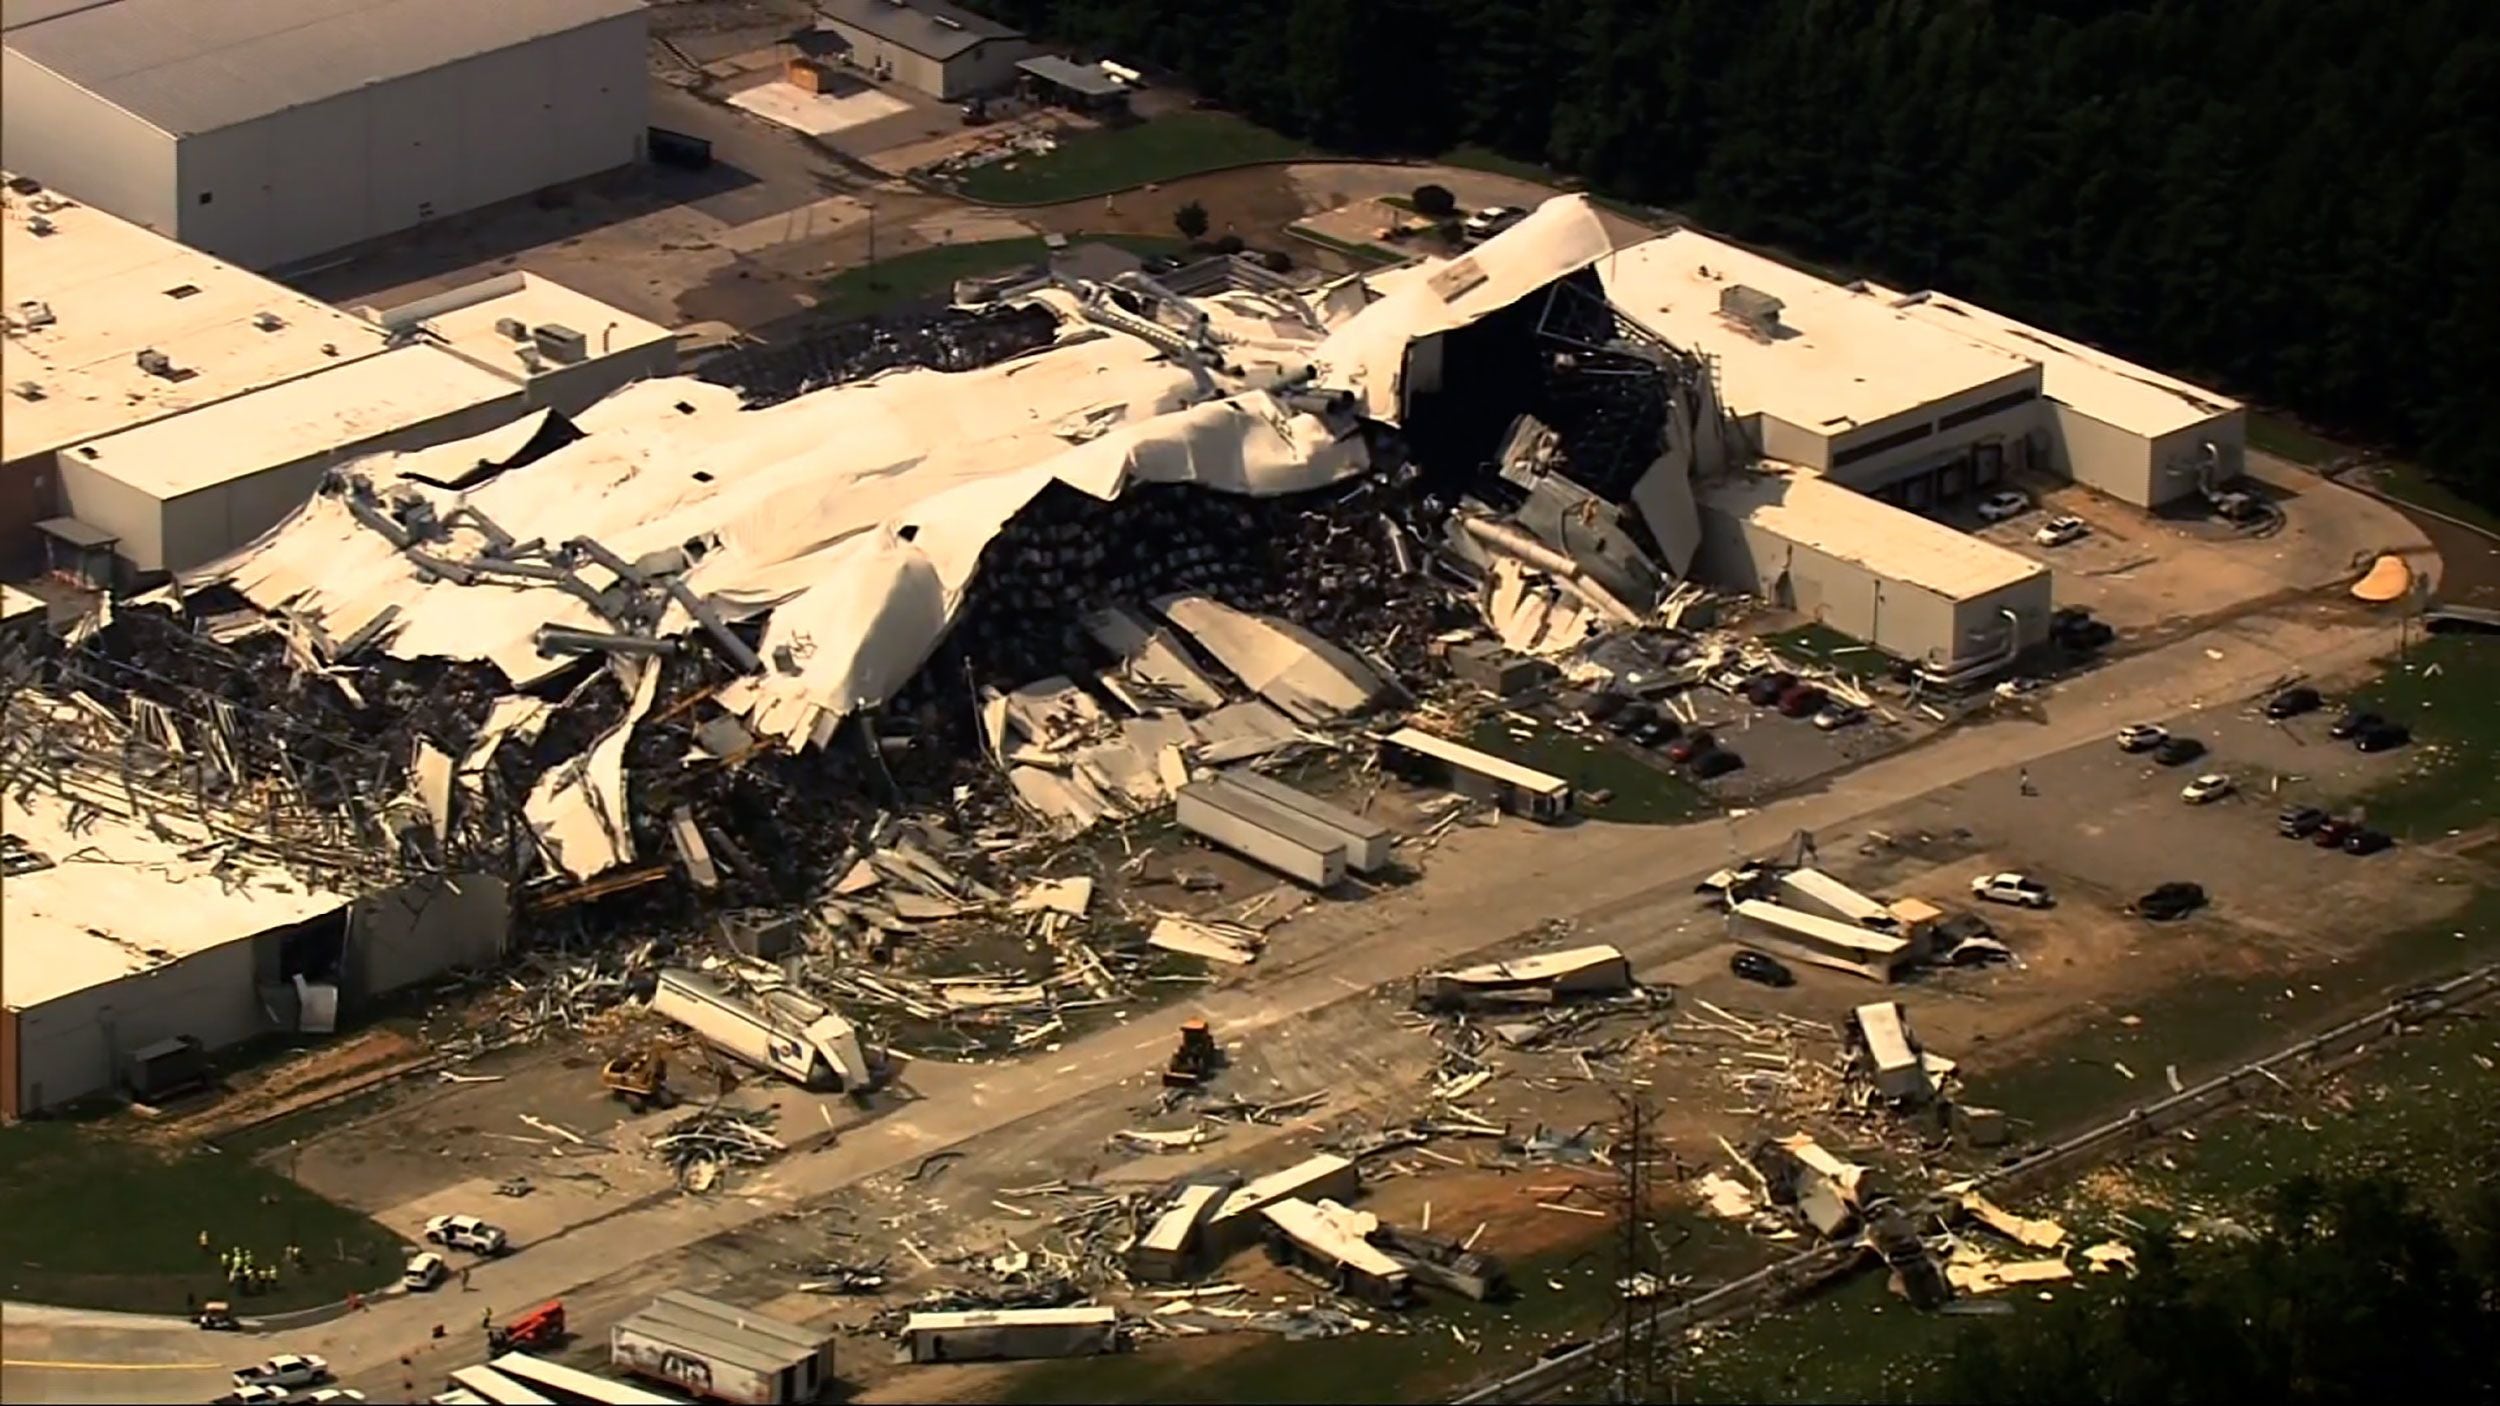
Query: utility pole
(1640, 1271)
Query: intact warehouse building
(1873, 409)
(272, 131)
(933, 47)
(121, 938)
(165, 407)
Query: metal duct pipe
(1513, 542)
(560, 639)
(746, 659)
(1980, 668)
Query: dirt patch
(297, 1082)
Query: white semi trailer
(780, 1031)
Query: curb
(1316, 159)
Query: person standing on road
(464, 1278)
(2023, 781)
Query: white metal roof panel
(1459, 754)
(2103, 385)
(187, 66)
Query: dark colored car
(2353, 724)
(2331, 833)
(1630, 718)
(1962, 927)
(1657, 732)
(1764, 690)
(2171, 900)
(2385, 737)
(2292, 702)
(1603, 707)
(1761, 967)
(2366, 842)
(1710, 764)
(1691, 745)
(1803, 701)
(2178, 751)
(2299, 822)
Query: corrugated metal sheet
(190, 67)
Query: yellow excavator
(640, 1078)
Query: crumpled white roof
(856, 515)
(1367, 353)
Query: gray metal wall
(316, 178)
(423, 930)
(64, 136)
(2100, 455)
(67, 1049)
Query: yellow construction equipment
(640, 1078)
(1195, 1060)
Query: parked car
(1657, 732)
(1803, 701)
(1765, 690)
(1837, 715)
(2353, 724)
(1690, 745)
(2020, 890)
(2292, 702)
(2058, 531)
(2072, 627)
(2212, 786)
(2383, 738)
(1716, 763)
(1490, 221)
(2141, 737)
(1761, 967)
(2364, 841)
(1626, 715)
(2178, 751)
(2171, 900)
(1997, 507)
(424, 1272)
(466, 1233)
(329, 1394)
(253, 1394)
(2331, 833)
(2299, 822)
(286, 1370)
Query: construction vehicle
(640, 1078)
(1195, 1060)
(535, 1331)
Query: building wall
(66, 137)
(315, 178)
(2102, 456)
(421, 931)
(71, 1048)
(29, 492)
(197, 528)
(1942, 442)
(2176, 456)
(870, 54)
(100, 500)
(570, 390)
(989, 65)
(1792, 444)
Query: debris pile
(702, 1146)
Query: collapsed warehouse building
(936, 592)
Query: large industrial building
(272, 131)
(171, 406)
(123, 934)
(930, 46)
(1920, 399)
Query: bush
(1435, 201)
(1191, 221)
(1276, 261)
(1229, 244)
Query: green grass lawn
(1643, 794)
(1478, 158)
(2284, 440)
(1100, 162)
(1818, 643)
(933, 272)
(2450, 778)
(93, 1219)
(2406, 483)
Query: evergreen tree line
(2295, 200)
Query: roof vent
(948, 20)
(155, 362)
(268, 321)
(561, 343)
(512, 329)
(35, 313)
(27, 390)
(18, 857)
(1752, 307)
(39, 225)
(531, 361)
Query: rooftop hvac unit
(155, 362)
(267, 321)
(561, 343)
(1752, 307)
(531, 361)
(512, 329)
(38, 224)
(34, 312)
(27, 390)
